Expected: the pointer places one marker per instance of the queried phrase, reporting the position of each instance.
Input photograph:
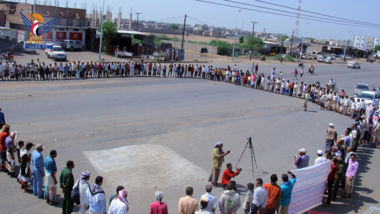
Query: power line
(279, 5)
(279, 14)
(202, 22)
(169, 18)
(283, 11)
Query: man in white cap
(217, 160)
(9, 143)
(38, 171)
(331, 137)
(320, 158)
(303, 160)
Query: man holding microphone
(217, 160)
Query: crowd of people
(37, 70)
(265, 198)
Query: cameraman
(217, 160)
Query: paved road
(146, 132)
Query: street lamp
(345, 47)
(233, 48)
(138, 20)
(302, 44)
(101, 36)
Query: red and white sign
(76, 36)
(47, 37)
(20, 36)
(60, 36)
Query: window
(78, 43)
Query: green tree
(109, 34)
(201, 31)
(175, 39)
(158, 39)
(377, 48)
(223, 48)
(257, 43)
(284, 37)
(135, 41)
(241, 39)
(174, 26)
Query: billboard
(60, 36)
(47, 37)
(309, 187)
(76, 36)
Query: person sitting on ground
(228, 174)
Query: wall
(46, 10)
(192, 46)
(2, 18)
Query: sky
(220, 16)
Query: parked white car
(73, 45)
(353, 64)
(328, 60)
(369, 97)
(320, 58)
(55, 52)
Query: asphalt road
(147, 132)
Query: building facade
(71, 23)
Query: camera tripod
(250, 146)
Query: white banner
(309, 188)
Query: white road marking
(144, 166)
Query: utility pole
(138, 20)
(233, 47)
(101, 35)
(345, 49)
(253, 31)
(183, 33)
(291, 43)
